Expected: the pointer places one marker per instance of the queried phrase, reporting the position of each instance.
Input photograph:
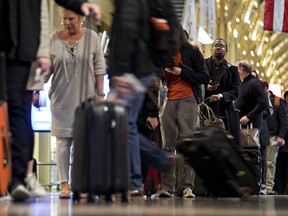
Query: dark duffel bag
(212, 153)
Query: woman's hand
(100, 98)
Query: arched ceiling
(266, 50)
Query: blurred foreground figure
(130, 54)
(19, 40)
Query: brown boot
(65, 192)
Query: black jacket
(278, 122)
(194, 70)
(20, 26)
(129, 45)
(252, 100)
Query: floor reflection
(52, 206)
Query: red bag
(151, 183)
(5, 153)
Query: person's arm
(99, 68)
(199, 73)
(283, 119)
(233, 92)
(81, 7)
(43, 58)
(152, 106)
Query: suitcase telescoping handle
(85, 61)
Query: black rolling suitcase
(100, 164)
(212, 153)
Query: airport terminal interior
(240, 23)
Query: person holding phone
(223, 88)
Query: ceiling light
(235, 33)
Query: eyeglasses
(219, 45)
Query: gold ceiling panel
(266, 50)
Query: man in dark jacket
(19, 40)
(252, 100)
(223, 88)
(277, 126)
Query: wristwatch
(102, 94)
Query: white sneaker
(34, 186)
(20, 193)
(187, 193)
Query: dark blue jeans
(19, 111)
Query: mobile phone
(214, 82)
(148, 125)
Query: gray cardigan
(66, 82)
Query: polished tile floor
(51, 206)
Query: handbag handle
(209, 111)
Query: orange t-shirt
(177, 87)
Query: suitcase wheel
(108, 198)
(246, 192)
(91, 198)
(76, 197)
(125, 197)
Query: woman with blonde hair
(67, 48)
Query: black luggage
(213, 154)
(100, 164)
(253, 157)
(199, 187)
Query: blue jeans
(151, 156)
